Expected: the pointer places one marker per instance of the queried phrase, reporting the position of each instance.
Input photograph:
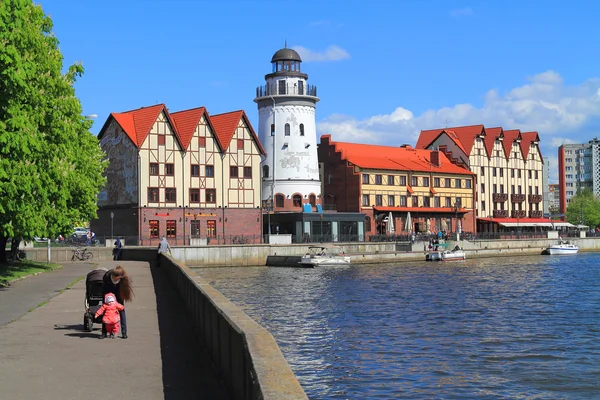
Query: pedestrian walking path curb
(25, 294)
(45, 353)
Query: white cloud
(462, 12)
(559, 141)
(558, 112)
(332, 53)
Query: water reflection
(490, 328)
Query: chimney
(435, 158)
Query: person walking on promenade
(110, 314)
(117, 249)
(118, 282)
(163, 247)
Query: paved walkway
(45, 354)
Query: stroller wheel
(88, 323)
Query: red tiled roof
(465, 134)
(464, 137)
(528, 137)
(454, 137)
(126, 123)
(509, 137)
(186, 123)
(395, 158)
(225, 125)
(491, 134)
(137, 123)
(427, 137)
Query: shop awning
(563, 224)
(525, 224)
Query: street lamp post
(456, 221)
(112, 217)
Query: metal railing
(499, 197)
(275, 90)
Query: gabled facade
(422, 190)
(508, 165)
(184, 175)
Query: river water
(505, 327)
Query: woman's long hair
(125, 283)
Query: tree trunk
(3, 241)
(14, 248)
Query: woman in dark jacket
(117, 281)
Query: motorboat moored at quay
(562, 248)
(456, 254)
(324, 255)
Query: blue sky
(384, 69)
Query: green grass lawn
(20, 269)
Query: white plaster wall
(297, 162)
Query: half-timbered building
(186, 175)
(508, 165)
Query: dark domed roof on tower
(286, 54)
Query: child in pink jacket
(111, 317)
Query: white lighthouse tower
(287, 130)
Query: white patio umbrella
(390, 224)
(458, 226)
(408, 226)
(428, 223)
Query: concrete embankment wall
(62, 254)
(361, 253)
(244, 353)
(286, 255)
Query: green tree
(584, 208)
(51, 165)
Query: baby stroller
(93, 297)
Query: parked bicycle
(82, 254)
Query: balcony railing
(518, 214)
(500, 213)
(517, 198)
(535, 198)
(536, 214)
(275, 90)
(499, 197)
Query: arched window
(301, 129)
(279, 200)
(312, 200)
(287, 129)
(297, 200)
(368, 224)
(272, 129)
(265, 171)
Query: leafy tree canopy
(51, 165)
(584, 208)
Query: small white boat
(456, 254)
(563, 247)
(435, 252)
(324, 255)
